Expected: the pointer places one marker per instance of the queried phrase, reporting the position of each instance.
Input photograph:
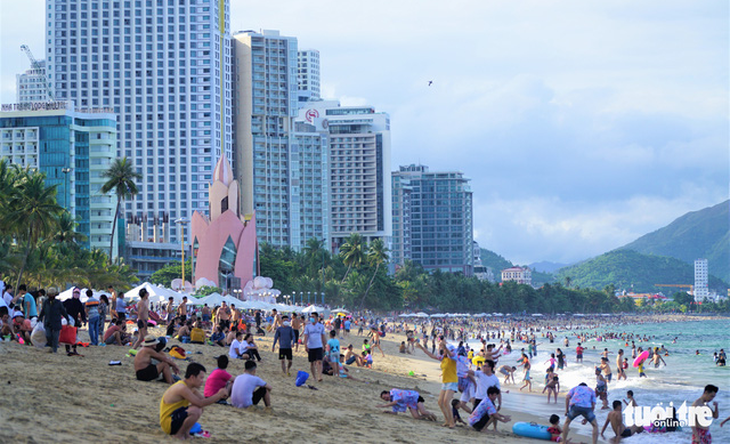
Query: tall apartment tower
(163, 67)
(31, 86)
(265, 103)
(432, 219)
(701, 278)
(308, 75)
(359, 163)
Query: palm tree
(352, 253)
(66, 235)
(31, 214)
(121, 177)
(377, 255)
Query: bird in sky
(430, 82)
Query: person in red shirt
(579, 353)
(219, 379)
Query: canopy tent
(68, 294)
(407, 315)
(421, 314)
(438, 315)
(340, 310)
(157, 294)
(537, 315)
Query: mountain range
(665, 256)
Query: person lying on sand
(146, 370)
(182, 404)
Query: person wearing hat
(146, 370)
(52, 312)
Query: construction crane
(691, 287)
(37, 66)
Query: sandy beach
(56, 398)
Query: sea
(682, 380)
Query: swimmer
(631, 401)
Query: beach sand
(57, 398)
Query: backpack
(177, 352)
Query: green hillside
(698, 234)
(624, 268)
(497, 262)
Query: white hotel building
(359, 161)
(163, 66)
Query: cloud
(581, 124)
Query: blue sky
(583, 125)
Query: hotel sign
(35, 106)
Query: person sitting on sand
(455, 405)
(486, 413)
(146, 370)
(580, 401)
(218, 338)
(219, 379)
(250, 347)
(248, 389)
(351, 357)
(6, 325)
(114, 335)
(238, 347)
(554, 430)
(616, 419)
(400, 400)
(182, 405)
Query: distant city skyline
(582, 125)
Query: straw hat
(149, 341)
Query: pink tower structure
(225, 245)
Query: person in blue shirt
(333, 347)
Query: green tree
(31, 213)
(121, 177)
(352, 253)
(173, 270)
(377, 256)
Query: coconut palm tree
(121, 177)
(377, 255)
(31, 213)
(352, 253)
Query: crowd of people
(470, 378)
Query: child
(555, 431)
(641, 371)
(552, 387)
(527, 379)
(631, 401)
(402, 348)
(455, 411)
(601, 389)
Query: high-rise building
(313, 189)
(265, 103)
(163, 66)
(308, 76)
(31, 85)
(701, 278)
(73, 149)
(359, 162)
(432, 219)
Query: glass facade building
(163, 66)
(266, 163)
(72, 149)
(432, 219)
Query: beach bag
(301, 378)
(177, 352)
(38, 336)
(68, 335)
(197, 336)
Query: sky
(582, 125)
